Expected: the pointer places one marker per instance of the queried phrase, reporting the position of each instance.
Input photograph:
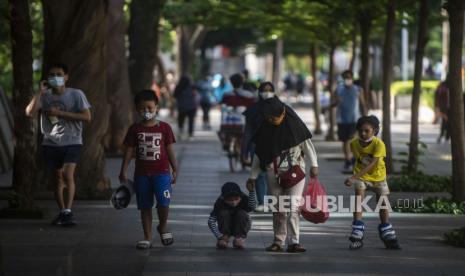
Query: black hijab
(271, 140)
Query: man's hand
(250, 184)
(53, 111)
(174, 175)
(43, 87)
(123, 177)
(313, 172)
(349, 181)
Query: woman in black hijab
(282, 143)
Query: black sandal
(296, 248)
(274, 248)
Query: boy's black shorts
(55, 157)
(346, 132)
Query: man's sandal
(166, 238)
(143, 244)
(274, 248)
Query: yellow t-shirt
(364, 156)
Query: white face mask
(148, 115)
(367, 140)
(267, 95)
(348, 82)
(56, 82)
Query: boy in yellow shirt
(370, 174)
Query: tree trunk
(316, 95)
(143, 42)
(456, 9)
(277, 61)
(365, 29)
(24, 165)
(422, 39)
(189, 39)
(354, 48)
(117, 79)
(387, 79)
(332, 110)
(161, 71)
(74, 33)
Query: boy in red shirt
(152, 141)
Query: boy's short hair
(60, 65)
(347, 73)
(237, 80)
(146, 95)
(371, 120)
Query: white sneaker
(260, 208)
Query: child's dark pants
(234, 223)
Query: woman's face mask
(348, 82)
(266, 95)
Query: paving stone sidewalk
(104, 241)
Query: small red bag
(316, 210)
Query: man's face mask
(56, 81)
(148, 115)
(277, 120)
(348, 82)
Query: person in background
(350, 104)
(186, 99)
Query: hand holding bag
(315, 204)
(292, 176)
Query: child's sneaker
(356, 237)
(222, 243)
(68, 219)
(239, 243)
(388, 236)
(58, 219)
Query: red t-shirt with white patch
(151, 147)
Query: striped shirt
(213, 219)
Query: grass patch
(420, 182)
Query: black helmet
(122, 195)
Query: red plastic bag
(314, 206)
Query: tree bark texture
(117, 79)
(365, 29)
(143, 42)
(316, 95)
(422, 39)
(456, 10)
(387, 79)
(190, 38)
(332, 110)
(354, 49)
(25, 150)
(75, 32)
